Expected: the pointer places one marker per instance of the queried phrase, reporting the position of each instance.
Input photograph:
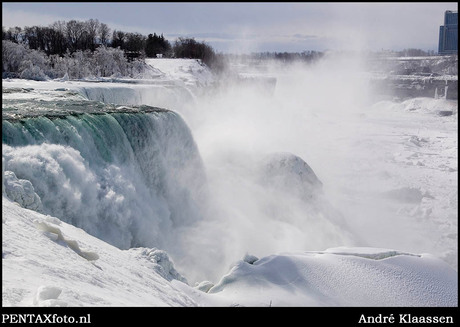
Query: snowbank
(341, 277)
(43, 265)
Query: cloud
(304, 36)
(12, 18)
(204, 35)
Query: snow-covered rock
(161, 262)
(290, 173)
(21, 191)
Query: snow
(383, 221)
(163, 93)
(51, 271)
(21, 191)
(339, 279)
(34, 271)
(191, 71)
(47, 296)
(168, 83)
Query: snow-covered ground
(191, 71)
(382, 232)
(47, 262)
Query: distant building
(448, 34)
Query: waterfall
(129, 178)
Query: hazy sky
(256, 26)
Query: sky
(244, 27)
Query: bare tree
(104, 32)
(75, 34)
(92, 27)
(60, 26)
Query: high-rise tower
(448, 34)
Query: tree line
(19, 61)
(65, 38)
(305, 56)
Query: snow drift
(341, 277)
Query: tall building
(448, 34)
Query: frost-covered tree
(137, 68)
(33, 66)
(33, 72)
(12, 56)
(20, 61)
(57, 67)
(103, 62)
(107, 62)
(79, 65)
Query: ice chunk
(55, 234)
(21, 191)
(46, 296)
(204, 286)
(162, 264)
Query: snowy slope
(191, 71)
(47, 262)
(341, 277)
